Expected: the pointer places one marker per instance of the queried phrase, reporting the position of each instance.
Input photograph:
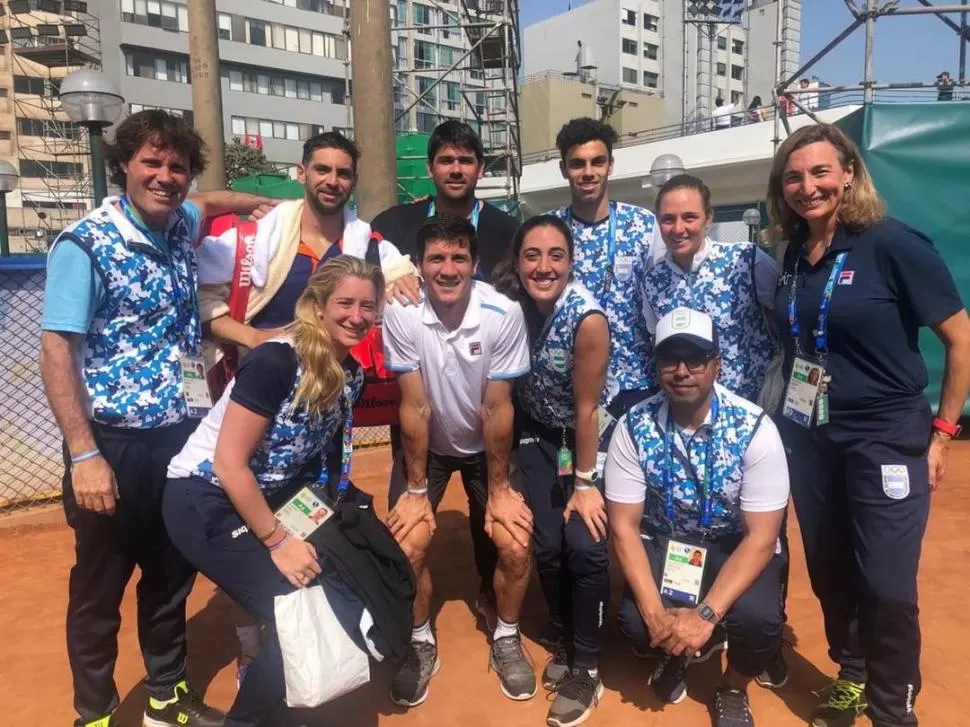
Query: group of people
(593, 375)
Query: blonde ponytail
(322, 382)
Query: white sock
(423, 633)
(249, 641)
(503, 629)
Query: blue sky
(912, 48)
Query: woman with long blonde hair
(865, 450)
(291, 398)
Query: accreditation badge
(683, 572)
(195, 387)
(803, 391)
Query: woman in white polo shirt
(733, 282)
(291, 397)
(557, 407)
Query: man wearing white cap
(696, 487)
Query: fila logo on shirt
(846, 277)
(474, 348)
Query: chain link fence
(30, 443)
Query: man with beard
(291, 242)
(696, 491)
(456, 161)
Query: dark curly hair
(159, 128)
(330, 140)
(582, 131)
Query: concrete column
(373, 100)
(207, 90)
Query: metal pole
(963, 44)
(4, 232)
(822, 53)
(779, 41)
(871, 12)
(207, 90)
(97, 164)
(928, 10)
(373, 100)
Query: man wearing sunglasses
(697, 469)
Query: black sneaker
(515, 673)
(668, 679)
(775, 676)
(557, 669)
(410, 685)
(188, 710)
(576, 700)
(731, 708)
(844, 703)
(715, 645)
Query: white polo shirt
(490, 344)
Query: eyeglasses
(695, 362)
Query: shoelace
(560, 655)
(732, 705)
(580, 686)
(845, 695)
(509, 649)
(413, 658)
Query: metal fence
(30, 442)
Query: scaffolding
(48, 39)
(461, 60)
(865, 13)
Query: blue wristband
(85, 456)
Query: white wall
(551, 45)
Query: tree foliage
(244, 161)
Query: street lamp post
(91, 100)
(664, 168)
(752, 218)
(8, 182)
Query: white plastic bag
(320, 661)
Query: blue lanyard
(182, 302)
(476, 211)
(821, 331)
(346, 453)
(611, 246)
(703, 484)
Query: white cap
(684, 324)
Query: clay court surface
(37, 685)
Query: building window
(722, 69)
(629, 17)
(651, 79)
(737, 72)
(242, 126)
(629, 75)
(256, 32)
(424, 55)
(47, 128)
(423, 16)
(225, 26)
(428, 91)
(651, 51)
(737, 47)
(35, 168)
(721, 43)
(181, 113)
(629, 46)
(651, 22)
(426, 122)
(156, 14)
(735, 96)
(36, 86)
(160, 67)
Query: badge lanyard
(705, 482)
(181, 301)
(346, 453)
(821, 330)
(564, 456)
(476, 211)
(611, 247)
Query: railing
(745, 117)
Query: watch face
(706, 612)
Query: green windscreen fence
(919, 157)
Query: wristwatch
(944, 427)
(592, 476)
(707, 613)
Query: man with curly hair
(120, 329)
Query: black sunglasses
(695, 361)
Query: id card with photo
(303, 514)
(603, 421)
(195, 387)
(802, 391)
(683, 572)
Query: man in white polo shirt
(458, 354)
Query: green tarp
(919, 157)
